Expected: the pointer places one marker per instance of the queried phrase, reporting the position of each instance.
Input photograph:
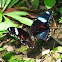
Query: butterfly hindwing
(45, 35)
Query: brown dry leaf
(9, 48)
(49, 59)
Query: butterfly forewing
(22, 36)
(40, 27)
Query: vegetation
(22, 14)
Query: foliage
(61, 10)
(6, 24)
(2, 49)
(36, 3)
(4, 2)
(13, 2)
(25, 49)
(58, 49)
(49, 3)
(1, 33)
(8, 55)
(60, 20)
(21, 3)
(60, 56)
(21, 19)
(55, 14)
(16, 15)
(33, 61)
(14, 59)
(7, 2)
(13, 41)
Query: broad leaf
(23, 20)
(36, 3)
(61, 10)
(3, 3)
(58, 49)
(7, 2)
(6, 24)
(0, 16)
(13, 2)
(18, 13)
(49, 3)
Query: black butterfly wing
(22, 36)
(45, 35)
(41, 25)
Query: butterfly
(39, 29)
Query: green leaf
(6, 24)
(21, 3)
(7, 2)
(60, 56)
(13, 2)
(23, 20)
(49, 3)
(18, 13)
(25, 49)
(36, 3)
(61, 10)
(12, 59)
(0, 3)
(0, 16)
(19, 50)
(13, 41)
(58, 49)
(2, 49)
(19, 61)
(8, 55)
(14, 37)
(3, 3)
(60, 20)
(1, 33)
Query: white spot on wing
(9, 29)
(16, 31)
(42, 19)
(47, 12)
